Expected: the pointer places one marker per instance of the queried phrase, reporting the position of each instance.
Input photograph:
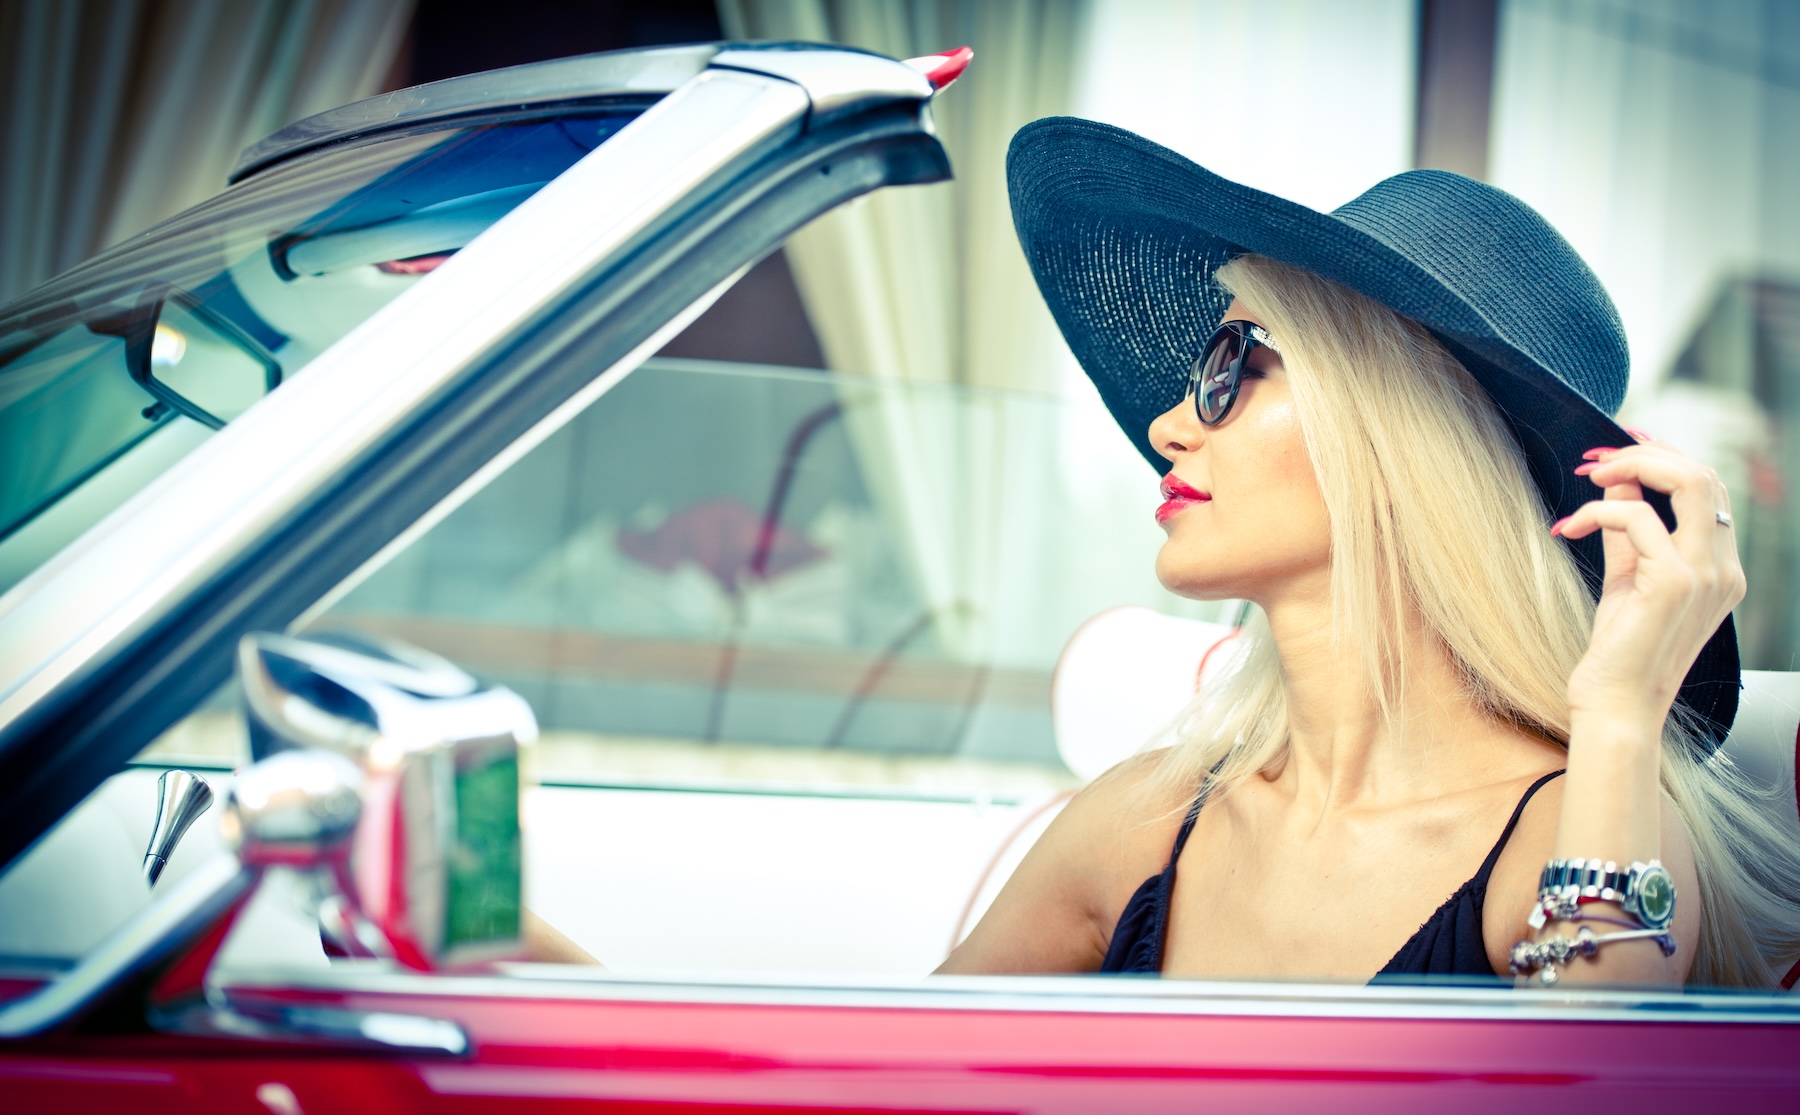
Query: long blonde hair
(1415, 463)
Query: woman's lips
(1177, 496)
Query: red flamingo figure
(732, 542)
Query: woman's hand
(1665, 594)
(545, 944)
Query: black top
(1449, 943)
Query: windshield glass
(791, 638)
(115, 371)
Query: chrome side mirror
(435, 864)
(181, 797)
(300, 809)
(294, 809)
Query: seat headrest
(1765, 739)
(1122, 679)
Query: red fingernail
(1556, 527)
(1594, 454)
(1583, 470)
(1641, 435)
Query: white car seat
(1122, 678)
(1126, 673)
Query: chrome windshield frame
(720, 170)
(237, 484)
(556, 85)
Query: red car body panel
(535, 1054)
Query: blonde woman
(1469, 728)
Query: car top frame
(488, 355)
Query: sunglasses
(1219, 369)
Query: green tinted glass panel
(211, 366)
(485, 865)
(67, 408)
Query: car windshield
(116, 370)
(779, 638)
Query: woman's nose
(1177, 430)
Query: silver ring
(1723, 518)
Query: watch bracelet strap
(1606, 880)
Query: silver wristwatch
(1646, 891)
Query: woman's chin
(1183, 579)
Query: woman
(1396, 443)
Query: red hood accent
(944, 67)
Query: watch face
(1655, 897)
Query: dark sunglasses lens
(1216, 375)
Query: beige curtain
(119, 113)
(929, 284)
(926, 291)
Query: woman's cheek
(1276, 500)
(1281, 443)
(1289, 489)
(1268, 518)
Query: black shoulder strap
(1493, 857)
(1187, 825)
(1165, 883)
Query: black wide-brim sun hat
(1125, 236)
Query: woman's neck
(1343, 751)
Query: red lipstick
(1177, 496)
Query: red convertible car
(373, 588)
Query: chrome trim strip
(185, 526)
(319, 1027)
(175, 914)
(619, 73)
(845, 791)
(1060, 994)
(838, 82)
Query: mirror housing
(434, 862)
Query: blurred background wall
(1661, 136)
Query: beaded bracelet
(1544, 957)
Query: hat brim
(1125, 238)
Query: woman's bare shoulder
(1122, 826)
(1137, 785)
(1056, 913)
